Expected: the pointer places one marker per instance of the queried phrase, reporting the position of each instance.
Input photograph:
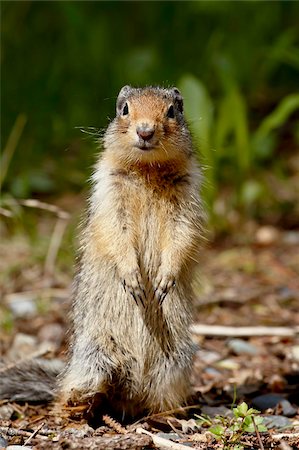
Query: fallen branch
(33, 203)
(257, 434)
(58, 231)
(5, 212)
(33, 434)
(14, 432)
(180, 409)
(162, 442)
(225, 331)
(49, 292)
(279, 436)
(54, 246)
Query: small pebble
(3, 442)
(52, 332)
(286, 294)
(22, 306)
(207, 357)
(239, 346)
(287, 409)
(22, 346)
(213, 411)
(276, 422)
(171, 436)
(18, 447)
(212, 372)
(6, 411)
(81, 432)
(295, 352)
(228, 364)
(290, 238)
(265, 401)
(266, 235)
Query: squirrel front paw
(164, 282)
(133, 284)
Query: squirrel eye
(170, 112)
(125, 109)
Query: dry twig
(33, 203)
(162, 442)
(11, 145)
(54, 245)
(7, 431)
(33, 434)
(279, 436)
(181, 409)
(5, 212)
(49, 292)
(218, 330)
(257, 434)
(58, 231)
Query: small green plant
(230, 429)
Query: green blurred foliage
(237, 64)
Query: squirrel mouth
(145, 146)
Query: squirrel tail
(30, 381)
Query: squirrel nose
(145, 132)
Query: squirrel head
(149, 126)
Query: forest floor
(248, 280)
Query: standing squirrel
(140, 245)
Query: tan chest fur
(146, 204)
(139, 247)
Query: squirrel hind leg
(78, 387)
(88, 372)
(168, 391)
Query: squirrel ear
(125, 90)
(178, 99)
(176, 91)
(123, 93)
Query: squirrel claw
(133, 284)
(165, 283)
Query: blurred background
(63, 63)
(237, 65)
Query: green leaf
(217, 430)
(262, 428)
(262, 141)
(232, 127)
(248, 425)
(258, 420)
(237, 426)
(241, 130)
(280, 115)
(203, 420)
(242, 409)
(199, 113)
(254, 411)
(263, 146)
(251, 191)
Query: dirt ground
(251, 280)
